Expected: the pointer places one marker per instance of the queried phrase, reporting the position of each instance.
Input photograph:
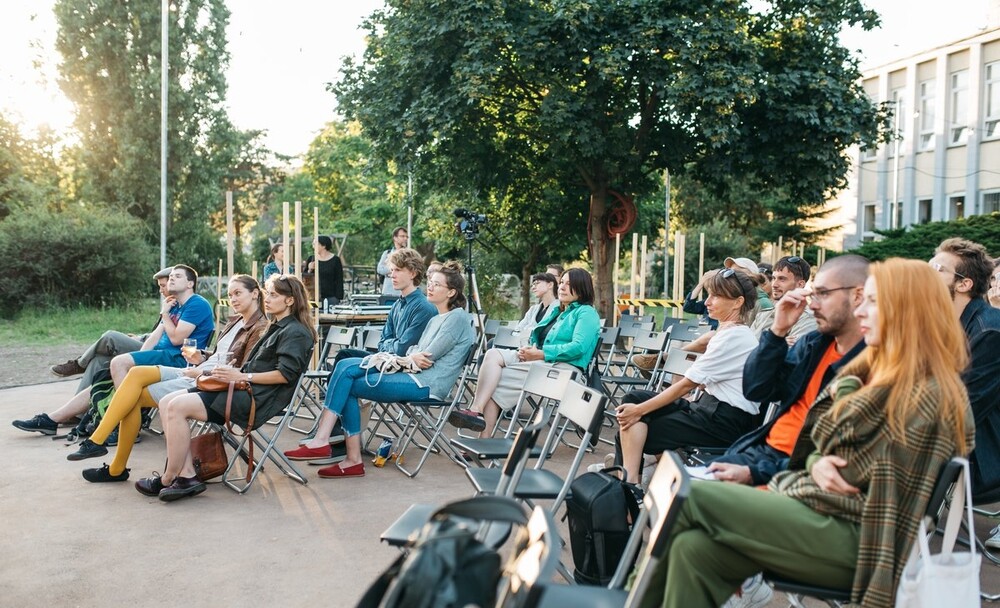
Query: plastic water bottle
(383, 453)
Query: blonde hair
(921, 344)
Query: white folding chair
(312, 390)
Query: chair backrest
(672, 321)
(676, 362)
(533, 562)
(633, 319)
(650, 341)
(336, 336)
(667, 491)
(372, 337)
(548, 381)
(630, 330)
(686, 333)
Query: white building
(946, 164)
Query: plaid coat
(895, 477)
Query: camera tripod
(471, 283)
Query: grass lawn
(77, 325)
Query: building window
(869, 219)
(924, 207)
(991, 202)
(898, 120)
(956, 205)
(993, 99)
(927, 115)
(959, 130)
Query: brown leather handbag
(207, 450)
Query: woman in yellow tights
(146, 385)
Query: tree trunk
(528, 269)
(601, 254)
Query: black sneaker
(40, 424)
(182, 487)
(467, 419)
(150, 486)
(87, 449)
(103, 474)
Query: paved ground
(282, 544)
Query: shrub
(73, 257)
(919, 242)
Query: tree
(918, 242)
(601, 96)
(29, 173)
(111, 71)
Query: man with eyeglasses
(795, 376)
(965, 268)
(790, 272)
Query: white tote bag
(947, 579)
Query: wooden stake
(614, 278)
(642, 275)
(701, 254)
(230, 234)
(298, 239)
(253, 269)
(284, 239)
(635, 255)
(316, 262)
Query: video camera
(469, 223)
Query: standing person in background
(275, 261)
(994, 293)
(330, 271)
(400, 237)
(555, 270)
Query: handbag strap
(250, 421)
(961, 501)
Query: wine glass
(188, 349)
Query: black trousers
(707, 422)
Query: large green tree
(600, 96)
(110, 70)
(29, 172)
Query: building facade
(945, 164)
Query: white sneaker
(755, 594)
(993, 542)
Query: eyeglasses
(942, 268)
(821, 294)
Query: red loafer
(304, 453)
(357, 470)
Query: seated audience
(566, 338)
(272, 369)
(146, 385)
(440, 355)
(652, 422)
(794, 376)
(544, 286)
(994, 293)
(764, 303)
(845, 514)
(790, 272)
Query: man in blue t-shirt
(183, 314)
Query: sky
(284, 54)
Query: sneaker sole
(335, 439)
(171, 496)
(108, 480)
(330, 460)
(30, 430)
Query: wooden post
(678, 256)
(680, 275)
(218, 296)
(284, 239)
(298, 239)
(614, 278)
(631, 278)
(230, 233)
(642, 275)
(701, 254)
(316, 265)
(253, 269)
(780, 246)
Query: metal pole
(164, 31)
(893, 206)
(409, 208)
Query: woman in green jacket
(568, 336)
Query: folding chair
(545, 384)
(397, 534)
(631, 377)
(372, 337)
(411, 417)
(266, 444)
(605, 351)
(795, 591)
(533, 562)
(312, 390)
(580, 405)
(675, 363)
(668, 489)
(507, 337)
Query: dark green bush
(919, 242)
(73, 257)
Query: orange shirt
(786, 428)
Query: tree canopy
(596, 96)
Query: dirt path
(24, 365)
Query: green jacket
(574, 336)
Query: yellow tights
(125, 412)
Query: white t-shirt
(720, 369)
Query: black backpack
(600, 510)
(447, 567)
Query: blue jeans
(348, 382)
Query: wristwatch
(249, 377)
